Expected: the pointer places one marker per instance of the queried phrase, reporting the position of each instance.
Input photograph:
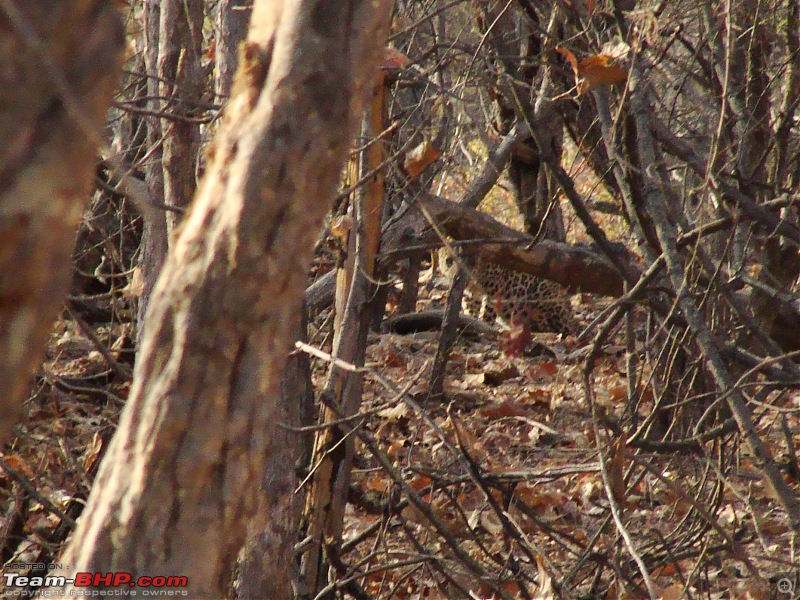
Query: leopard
(495, 292)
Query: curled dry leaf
(519, 337)
(594, 71)
(616, 470)
(418, 158)
(394, 413)
(341, 226)
(545, 589)
(502, 410)
(393, 59)
(92, 453)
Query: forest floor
(519, 428)
(508, 462)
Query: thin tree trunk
(449, 333)
(232, 21)
(154, 232)
(355, 289)
(54, 91)
(181, 478)
(173, 44)
(180, 91)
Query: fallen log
(578, 268)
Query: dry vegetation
(656, 454)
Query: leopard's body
(496, 291)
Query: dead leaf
(420, 482)
(544, 589)
(503, 410)
(418, 158)
(393, 59)
(534, 498)
(594, 71)
(548, 367)
(394, 413)
(601, 70)
(92, 452)
(471, 380)
(571, 58)
(616, 470)
(514, 341)
(135, 287)
(18, 464)
(394, 448)
(376, 483)
(496, 372)
(673, 592)
(490, 522)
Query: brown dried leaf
(394, 448)
(393, 59)
(418, 158)
(394, 413)
(594, 71)
(545, 589)
(20, 465)
(601, 69)
(92, 452)
(514, 341)
(616, 470)
(503, 410)
(420, 482)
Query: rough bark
(271, 536)
(181, 477)
(154, 231)
(450, 322)
(173, 45)
(61, 61)
(180, 91)
(232, 21)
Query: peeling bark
(181, 478)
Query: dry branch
(578, 269)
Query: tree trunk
(154, 231)
(181, 478)
(232, 21)
(333, 450)
(60, 62)
(272, 533)
(180, 90)
(173, 45)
